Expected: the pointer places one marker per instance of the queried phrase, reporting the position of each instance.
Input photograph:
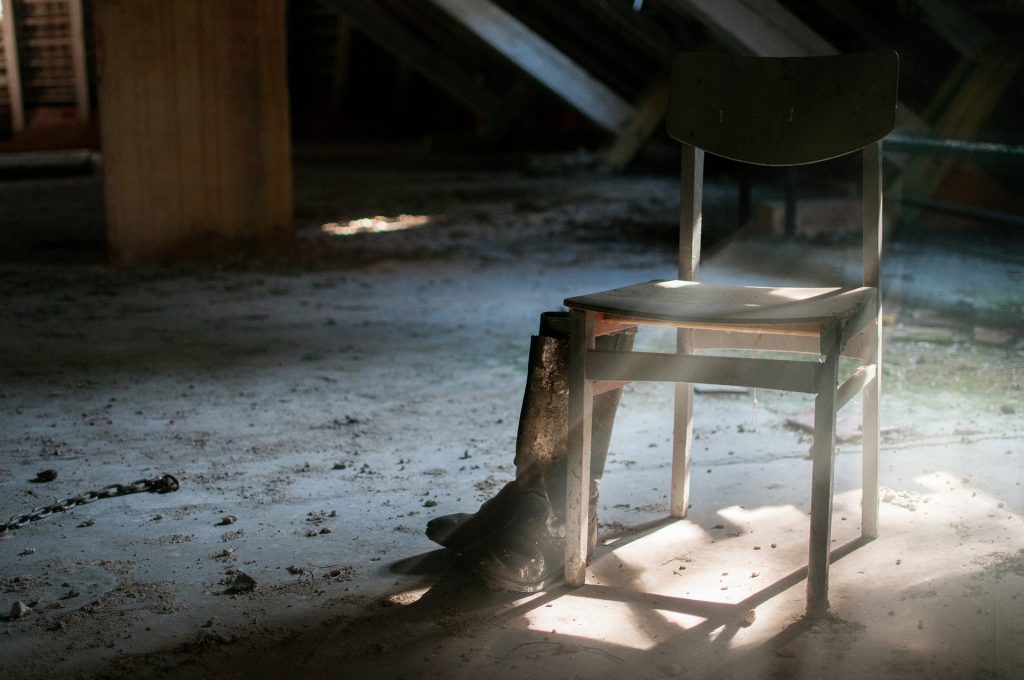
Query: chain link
(164, 484)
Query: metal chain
(164, 484)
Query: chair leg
(871, 431)
(682, 434)
(823, 475)
(682, 443)
(581, 393)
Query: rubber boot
(545, 407)
(538, 440)
(524, 549)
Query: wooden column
(193, 108)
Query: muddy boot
(526, 553)
(544, 409)
(461, 529)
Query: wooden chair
(764, 111)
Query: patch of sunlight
(676, 284)
(407, 597)
(766, 515)
(651, 563)
(606, 621)
(375, 225)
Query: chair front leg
(682, 435)
(581, 398)
(871, 434)
(823, 473)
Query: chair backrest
(782, 111)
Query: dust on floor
(319, 408)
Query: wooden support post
(14, 94)
(196, 138)
(534, 55)
(650, 112)
(78, 61)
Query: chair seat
(677, 301)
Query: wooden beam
(372, 19)
(760, 27)
(14, 93)
(79, 62)
(650, 112)
(979, 94)
(534, 55)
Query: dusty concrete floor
(333, 400)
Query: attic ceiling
(516, 74)
(626, 45)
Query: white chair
(763, 111)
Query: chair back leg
(823, 473)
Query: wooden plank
(196, 136)
(370, 18)
(650, 112)
(534, 55)
(14, 92)
(773, 374)
(697, 305)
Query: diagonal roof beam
(370, 17)
(541, 60)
